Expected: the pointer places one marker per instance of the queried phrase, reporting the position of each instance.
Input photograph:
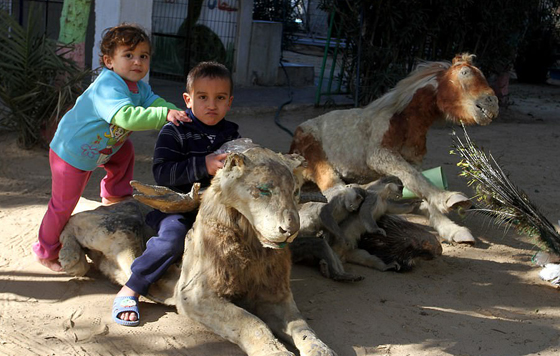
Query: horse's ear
(465, 58)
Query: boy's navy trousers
(161, 251)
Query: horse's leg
(437, 201)
(387, 163)
(446, 228)
(319, 169)
(325, 176)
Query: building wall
(318, 19)
(109, 13)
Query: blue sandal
(125, 304)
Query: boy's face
(132, 65)
(209, 99)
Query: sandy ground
(482, 300)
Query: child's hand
(175, 116)
(215, 162)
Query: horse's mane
(396, 99)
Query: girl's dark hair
(125, 34)
(209, 70)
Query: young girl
(95, 133)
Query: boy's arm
(173, 164)
(137, 118)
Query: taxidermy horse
(388, 136)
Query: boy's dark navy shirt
(179, 155)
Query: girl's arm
(137, 118)
(165, 104)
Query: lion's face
(264, 188)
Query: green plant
(498, 197)
(283, 11)
(37, 83)
(393, 35)
(537, 48)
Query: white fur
(351, 140)
(235, 275)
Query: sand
(485, 299)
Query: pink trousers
(68, 184)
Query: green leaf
(37, 83)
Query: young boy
(94, 133)
(183, 155)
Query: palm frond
(37, 82)
(498, 197)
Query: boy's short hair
(125, 34)
(209, 70)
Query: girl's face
(132, 65)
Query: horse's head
(464, 94)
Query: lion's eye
(264, 189)
(296, 193)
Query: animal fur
(404, 242)
(389, 136)
(118, 229)
(316, 251)
(235, 273)
(330, 254)
(318, 216)
(376, 204)
(381, 198)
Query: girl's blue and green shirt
(102, 119)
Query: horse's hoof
(457, 201)
(464, 237)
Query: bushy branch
(37, 83)
(498, 197)
(395, 34)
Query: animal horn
(165, 199)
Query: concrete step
(298, 75)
